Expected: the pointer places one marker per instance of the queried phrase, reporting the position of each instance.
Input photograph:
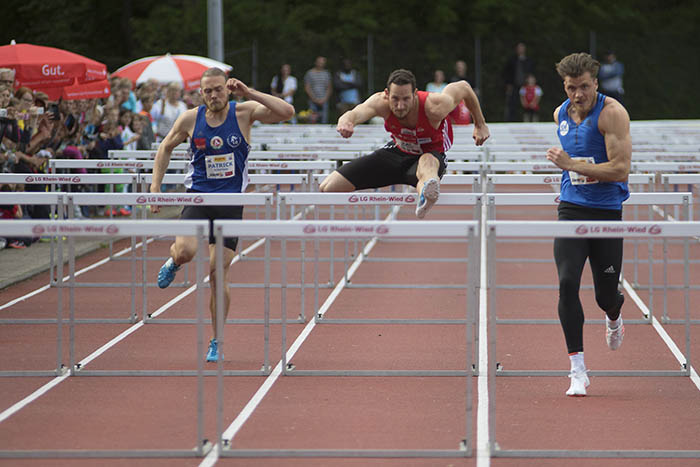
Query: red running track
(347, 412)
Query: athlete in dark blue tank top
(219, 132)
(595, 157)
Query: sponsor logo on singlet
(563, 127)
(234, 140)
(216, 142)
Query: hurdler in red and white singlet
(423, 138)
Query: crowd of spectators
(34, 129)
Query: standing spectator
(460, 115)
(347, 82)
(610, 76)
(460, 72)
(142, 125)
(517, 68)
(438, 83)
(165, 111)
(146, 107)
(530, 95)
(7, 77)
(284, 86)
(318, 86)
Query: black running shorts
(214, 213)
(386, 166)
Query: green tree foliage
(657, 41)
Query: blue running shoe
(167, 273)
(428, 195)
(213, 353)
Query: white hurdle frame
(357, 229)
(363, 199)
(265, 200)
(580, 229)
(89, 228)
(683, 200)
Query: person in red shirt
(421, 134)
(530, 95)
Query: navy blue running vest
(219, 161)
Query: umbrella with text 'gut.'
(38, 67)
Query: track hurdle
(56, 201)
(84, 228)
(360, 200)
(582, 229)
(167, 199)
(285, 230)
(551, 199)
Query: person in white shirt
(165, 111)
(284, 86)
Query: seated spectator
(11, 211)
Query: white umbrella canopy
(183, 69)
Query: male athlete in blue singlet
(219, 133)
(596, 153)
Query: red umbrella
(92, 90)
(183, 69)
(37, 66)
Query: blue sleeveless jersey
(585, 140)
(219, 161)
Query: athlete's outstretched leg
(428, 185)
(336, 182)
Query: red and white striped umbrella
(183, 69)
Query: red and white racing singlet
(423, 138)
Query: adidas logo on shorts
(610, 270)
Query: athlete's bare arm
(439, 105)
(259, 106)
(181, 130)
(375, 105)
(614, 124)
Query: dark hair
(401, 77)
(575, 65)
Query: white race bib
(579, 179)
(409, 147)
(220, 166)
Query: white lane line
(483, 454)
(59, 379)
(66, 278)
(260, 394)
(661, 331)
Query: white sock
(577, 363)
(613, 324)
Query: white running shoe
(614, 336)
(579, 383)
(428, 195)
